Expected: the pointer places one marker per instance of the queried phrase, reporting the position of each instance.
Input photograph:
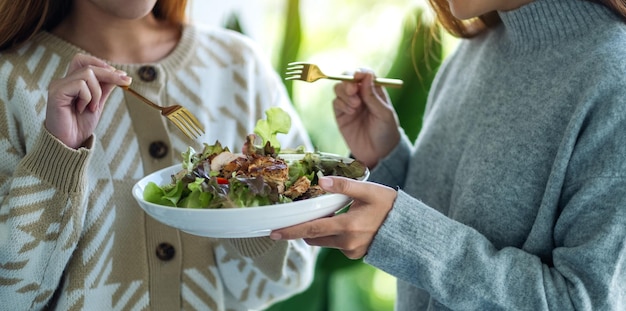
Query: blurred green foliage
(420, 54)
(233, 23)
(291, 41)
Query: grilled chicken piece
(313, 191)
(236, 165)
(298, 188)
(273, 170)
(222, 159)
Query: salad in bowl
(218, 193)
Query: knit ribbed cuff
(253, 247)
(268, 255)
(55, 163)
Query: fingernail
(275, 236)
(325, 182)
(126, 78)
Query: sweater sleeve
(260, 271)
(463, 270)
(41, 218)
(391, 170)
(574, 257)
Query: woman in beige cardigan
(73, 144)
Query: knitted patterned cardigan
(71, 235)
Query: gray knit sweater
(514, 194)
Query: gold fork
(310, 73)
(177, 114)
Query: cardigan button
(165, 251)
(158, 149)
(147, 73)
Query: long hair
(20, 20)
(472, 27)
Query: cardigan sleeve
(260, 271)
(41, 217)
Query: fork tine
(185, 122)
(294, 72)
(188, 129)
(190, 122)
(197, 126)
(295, 66)
(180, 125)
(178, 115)
(295, 69)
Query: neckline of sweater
(173, 60)
(547, 23)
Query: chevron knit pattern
(71, 235)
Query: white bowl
(238, 222)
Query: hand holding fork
(310, 73)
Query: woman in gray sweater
(513, 197)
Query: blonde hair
(20, 20)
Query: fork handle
(145, 100)
(378, 81)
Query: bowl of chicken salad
(218, 193)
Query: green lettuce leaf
(168, 196)
(196, 198)
(278, 121)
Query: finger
(349, 242)
(350, 187)
(94, 89)
(354, 254)
(347, 96)
(82, 60)
(105, 72)
(322, 227)
(340, 107)
(327, 241)
(107, 88)
(100, 82)
(102, 75)
(366, 78)
(346, 90)
(333, 242)
(337, 243)
(77, 91)
(68, 89)
(373, 96)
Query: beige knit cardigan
(71, 235)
